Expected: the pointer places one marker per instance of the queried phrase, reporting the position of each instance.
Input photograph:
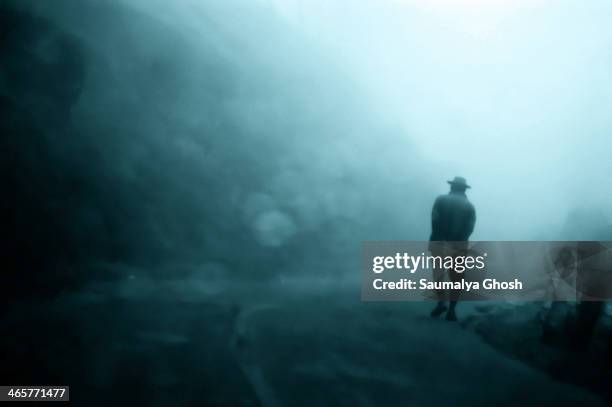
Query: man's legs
(441, 306)
(459, 249)
(438, 276)
(454, 296)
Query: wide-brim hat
(460, 182)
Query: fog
(190, 183)
(179, 134)
(513, 94)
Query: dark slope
(146, 141)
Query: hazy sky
(515, 95)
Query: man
(452, 222)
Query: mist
(168, 139)
(514, 95)
(271, 121)
(211, 159)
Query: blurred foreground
(140, 342)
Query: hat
(460, 182)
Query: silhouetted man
(452, 222)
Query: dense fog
(255, 137)
(170, 165)
(513, 94)
(143, 138)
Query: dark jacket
(452, 218)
